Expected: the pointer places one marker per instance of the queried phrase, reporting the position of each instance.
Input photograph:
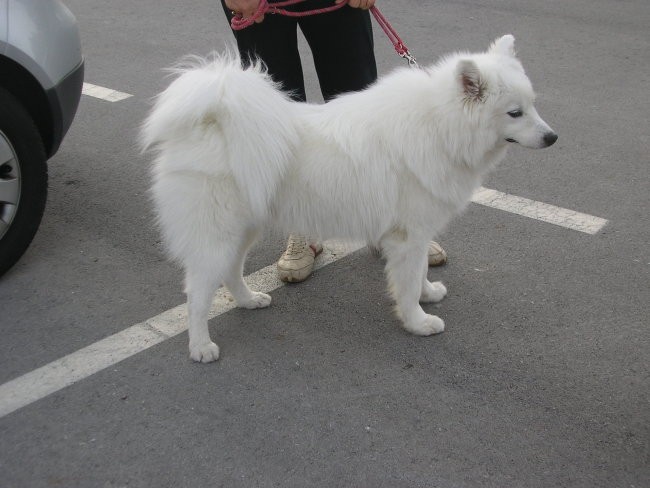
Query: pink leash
(239, 23)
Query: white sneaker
(297, 262)
(437, 255)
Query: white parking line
(103, 93)
(563, 217)
(80, 364)
(74, 367)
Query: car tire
(23, 180)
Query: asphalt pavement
(541, 378)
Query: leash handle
(238, 22)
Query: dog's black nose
(550, 138)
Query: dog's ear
(504, 45)
(470, 80)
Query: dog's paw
(205, 353)
(257, 300)
(429, 326)
(433, 292)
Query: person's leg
(275, 42)
(343, 49)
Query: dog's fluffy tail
(224, 119)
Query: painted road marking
(74, 367)
(80, 364)
(103, 93)
(563, 217)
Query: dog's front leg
(405, 261)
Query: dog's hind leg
(405, 261)
(204, 274)
(201, 282)
(431, 292)
(234, 281)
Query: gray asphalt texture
(540, 380)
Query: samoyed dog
(389, 165)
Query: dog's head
(495, 82)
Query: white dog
(390, 165)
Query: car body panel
(42, 36)
(4, 21)
(64, 100)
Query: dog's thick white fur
(390, 165)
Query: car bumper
(64, 100)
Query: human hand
(362, 4)
(245, 8)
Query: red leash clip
(399, 45)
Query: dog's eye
(515, 113)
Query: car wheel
(23, 180)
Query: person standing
(342, 47)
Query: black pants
(341, 43)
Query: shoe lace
(297, 245)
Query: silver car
(41, 77)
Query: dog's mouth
(512, 140)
